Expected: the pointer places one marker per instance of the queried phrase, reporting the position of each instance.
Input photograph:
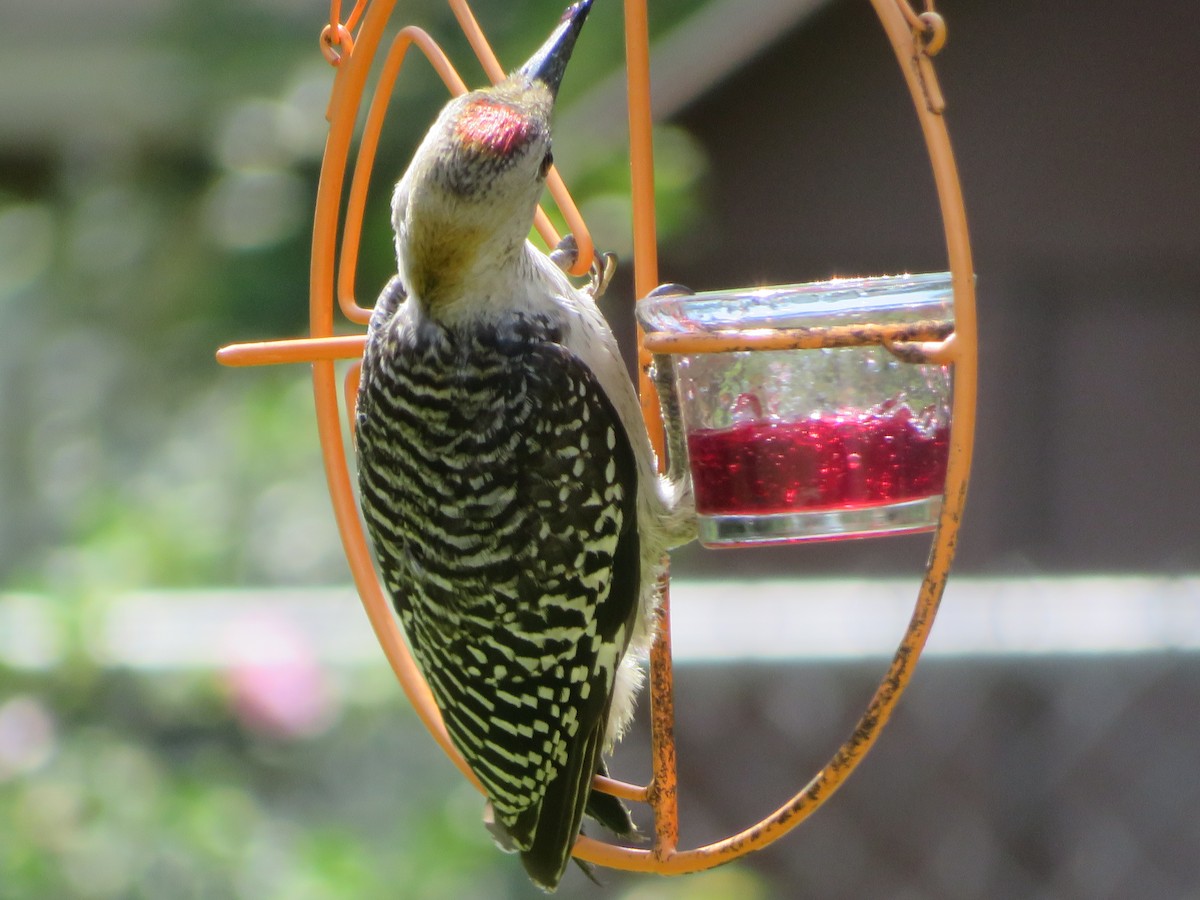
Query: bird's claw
(604, 266)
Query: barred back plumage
(506, 476)
(499, 488)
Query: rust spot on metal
(814, 338)
(663, 788)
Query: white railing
(713, 621)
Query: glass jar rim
(835, 301)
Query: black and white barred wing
(500, 491)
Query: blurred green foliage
(157, 174)
(154, 204)
(149, 787)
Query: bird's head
(466, 203)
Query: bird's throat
(439, 265)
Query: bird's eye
(547, 162)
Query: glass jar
(838, 441)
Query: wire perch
(351, 47)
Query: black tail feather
(561, 815)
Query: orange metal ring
(958, 348)
(932, 33)
(796, 338)
(333, 37)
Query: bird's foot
(500, 836)
(604, 266)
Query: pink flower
(276, 684)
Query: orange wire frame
(915, 38)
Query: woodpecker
(514, 503)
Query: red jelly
(826, 461)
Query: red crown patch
(493, 126)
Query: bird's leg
(678, 476)
(604, 266)
(662, 373)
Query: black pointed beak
(550, 62)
